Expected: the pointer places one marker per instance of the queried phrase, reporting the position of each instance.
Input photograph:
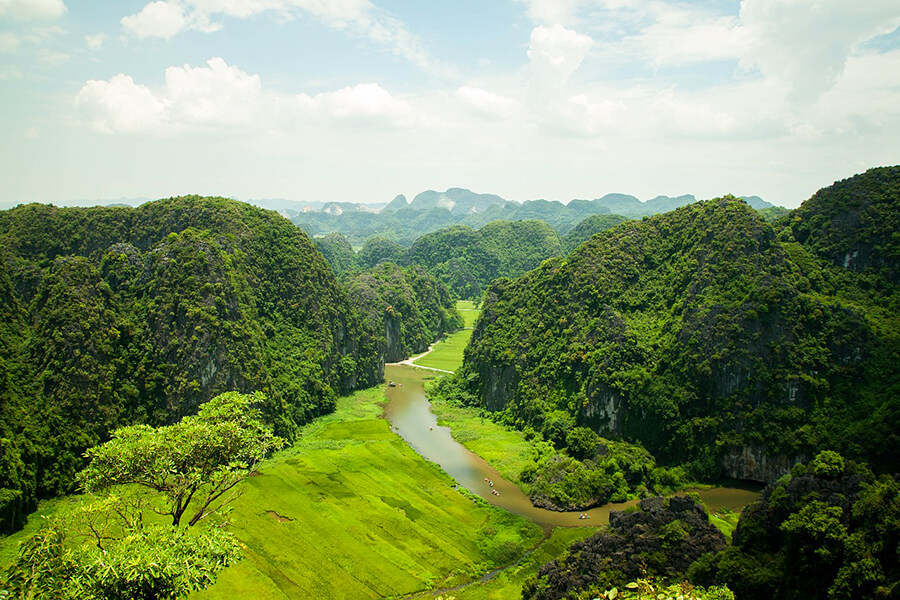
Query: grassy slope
(726, 522)
(506, 450)
(368, 518)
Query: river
(409, 412)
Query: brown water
(409, 413)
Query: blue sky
(359, 100)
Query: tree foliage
(588, 228)
(112, 547)
(194, 464)
(406, 309)
(820, 533)
(466, 260)
(660, 538)
(118, 316)
(151, 562)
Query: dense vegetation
(378, 249)
(830, 529)
(854, 223)
(662, 538)
(407, 308)
(713, 339)
(115, 544)
(338, 252)
(115, 316)
(588, 228)
(467, 260)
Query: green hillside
(701, 335)
(467, 260)
(118, 315)
(589, 227)
(406, 308)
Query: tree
(194, 464)
(582, 443)
(151, 562)
(111, 548)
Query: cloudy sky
(359, 100)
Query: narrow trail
(411, 360)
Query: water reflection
(409, 413)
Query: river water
(409, 413)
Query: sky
(361, 100)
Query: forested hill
(706, 335)
(467, 260)
(407, 308)
(854, 224)
(121, 315)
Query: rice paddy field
(447, 354)
(508, 583)
(468, 311)
(353, 512)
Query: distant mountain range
(429, 211)
(458, 201)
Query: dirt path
(409, 361)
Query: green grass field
(468, 312)
(726, 522)
(353, 512)
(505, 449)
(448, 353)
(508, 583)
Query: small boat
(391, 384)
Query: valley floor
(353, 512)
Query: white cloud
(120, 106)
(32, 9)
(363, 104)
(680, 36)
(167, 18)
(219, 96)
(552, 12)
(215, 95)
(487, 104)
(804, 46)
(9, 42)
(556, 53)
(94, 42)
(157, 19)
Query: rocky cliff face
(751, 463)
(405, 309)
(853, 223)
(662, 538)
